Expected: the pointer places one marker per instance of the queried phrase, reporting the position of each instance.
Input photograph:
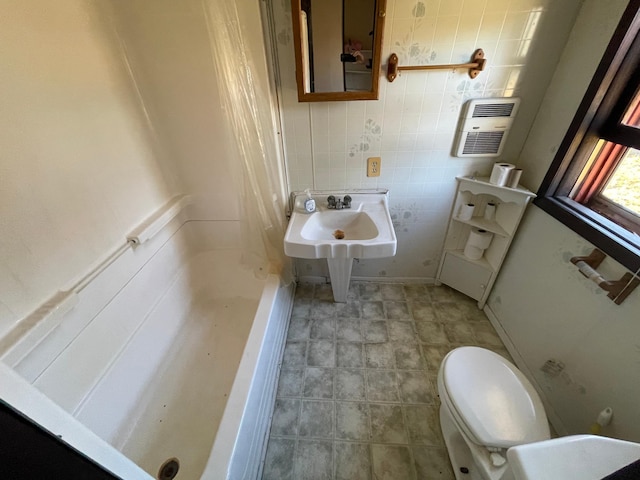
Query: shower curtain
(259, 171)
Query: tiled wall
(412, 125)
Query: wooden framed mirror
(338, 46)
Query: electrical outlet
(373, 166)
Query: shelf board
(482, 262)
(485, 182)
(483, 223)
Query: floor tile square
(381, 386)
(403, 332)
(290, 383)
(447, 312)
(432, 333)
(485, 334)
(351, 309)
(349, 355)
(375, 331)
(409, 357)
(397, 310)
(379, 355)
(304, 290)
(349, 384)
(352, 421)
(392, 291)
(278, 463)
(353, 461)
(416, 291)
(415, 387)
(299, 328)
(318, 383)
(370, 291)
(471, 311)
(387, 424)
(323, 291)
(285, 417)
(295, 354)
(348, 329)
(392, 462)
(314, 460)
(433, 355)
(316, 419)
(353, 293)
(432, 463)
(372, 310)
(423, 424)
(321, 353)
(441, 293)
(459, 333)
(422, 311)
(322, 329)
(301, 308)
(323, 308)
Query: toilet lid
(497, 404)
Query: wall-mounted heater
(484, 124)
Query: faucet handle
(347, 201)
(331, 200)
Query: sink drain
(169, 469)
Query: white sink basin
(584, 457)
(362, 231)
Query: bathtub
(171, 352)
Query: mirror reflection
(337, 48)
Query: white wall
(77, 164)
(547, 308)
(108, 110)
(167, 47)
(412, 126)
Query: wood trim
(610, 84)
(376, 69)
(611, 239)
(620, 43)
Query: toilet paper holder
(618, 289)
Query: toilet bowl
(487, 406)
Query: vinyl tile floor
(357, 396)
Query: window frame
(598, 117)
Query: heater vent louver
(484, 125)
(482, 143)
(493, 110)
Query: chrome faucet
(337, 203)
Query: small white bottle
(309, 203)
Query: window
(593, 185)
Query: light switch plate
(373, 166)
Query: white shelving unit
(475, 278)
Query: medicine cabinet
(338, 46)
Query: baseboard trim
(357, 278)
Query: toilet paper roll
(500, 173)
(490, 211)
(466, 211)
(478, 241)
(473, 253)
(514, 178)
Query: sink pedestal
(340, 273)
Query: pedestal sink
(362, 231)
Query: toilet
(487, 406)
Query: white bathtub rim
(225, 443)
(24, 397)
